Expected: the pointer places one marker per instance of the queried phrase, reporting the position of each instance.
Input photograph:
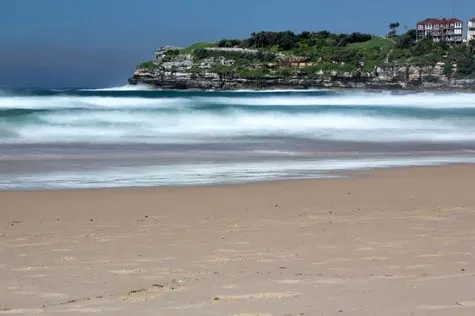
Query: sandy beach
(391, 242)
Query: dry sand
(393, 242)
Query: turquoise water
(131, 136)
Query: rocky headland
(361, 62)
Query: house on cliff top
(441, 30)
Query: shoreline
(386, 242)
(335, 175)
(325, 175)
(349, 174)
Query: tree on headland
(229, 43)
(407, 40)
(284, 40)
(465, 61)
(393, 29)
(448, 69)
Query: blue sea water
(131, 136)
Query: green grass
(195, 46)
(376, 41)
(147, 65)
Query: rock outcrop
(181, 71)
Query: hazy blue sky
(96, 43)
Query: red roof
(440, 21)
(472, 20)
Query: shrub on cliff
(465, 61)
(147, 65)
(357, 38)
(284, 40)
(406, 40)
(202, 53)
(240, 57)
(229, 43)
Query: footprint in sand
(441, 277)
(466, 303)
(30, 268)
(365, 249)
(265, 261)
(253, 314)
(53, 295)
(145, 295)
(289, 281)
(419, 266)
(220, 260)
(258, 296)
(457, 305)
(62, 250)
(142, 295)
(432, 255)
(129, 271)
(68, 258)
(227, 250)
(337, 260)
(374, 258)
(91, 310)
(21, 311)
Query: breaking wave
(122, 88)
(124, 115)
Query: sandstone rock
(181, 71)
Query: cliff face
(174, 69)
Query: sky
(97, 43)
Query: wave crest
(139, 87)
(206, 117)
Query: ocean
(130, 136)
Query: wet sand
(391, 242)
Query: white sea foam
(192, 126)
(192, 174)
(139, 87)
(422, 100)
(89, 102)
(193, 119)
(302, 91)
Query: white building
(471, 30)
